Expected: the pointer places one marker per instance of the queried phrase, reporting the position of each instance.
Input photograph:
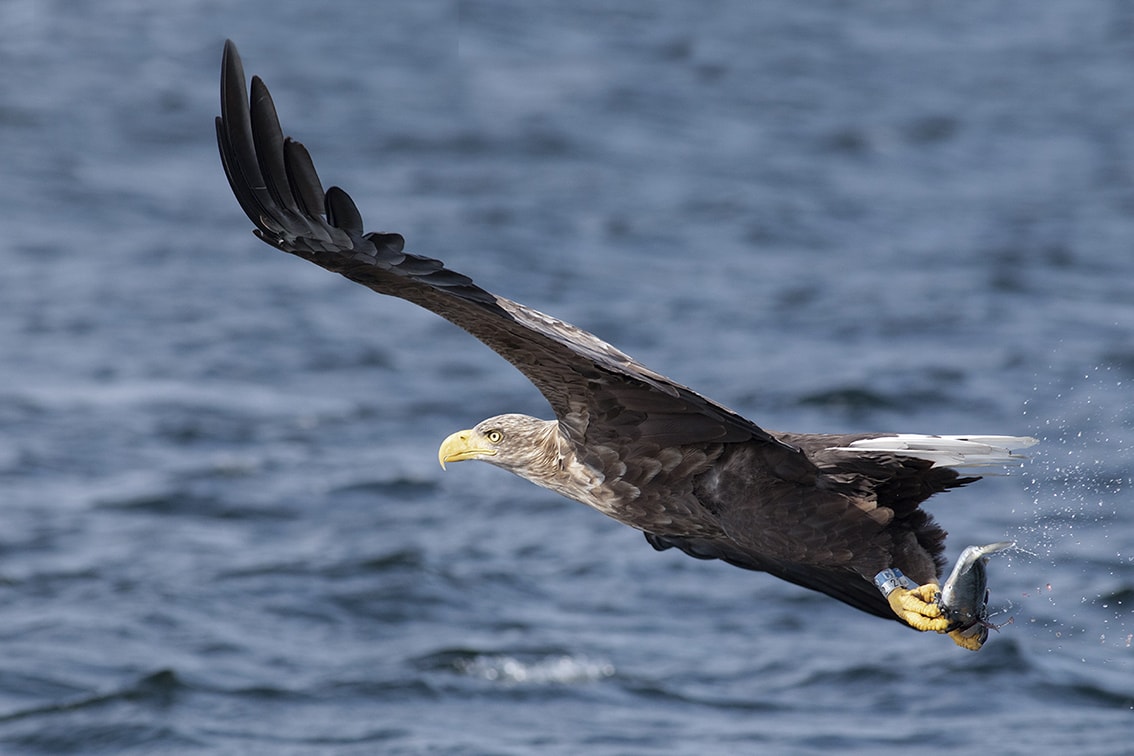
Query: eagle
(838, 514)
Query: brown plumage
(817, 510)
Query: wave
(535, 668)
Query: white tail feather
(948, 451)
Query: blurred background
(222, 524)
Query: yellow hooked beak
(462, 445)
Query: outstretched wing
(596, 390)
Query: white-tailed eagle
(840, 514)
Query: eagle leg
(919, 607)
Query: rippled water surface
(223, 525)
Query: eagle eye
(494, 436)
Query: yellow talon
(919, 609)
(972, 641)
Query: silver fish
(964, 597)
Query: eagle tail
(947, 451)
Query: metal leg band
(891, 579)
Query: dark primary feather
(686, 469)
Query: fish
(964, 597)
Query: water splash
(1081, 525)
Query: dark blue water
(223, 525)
